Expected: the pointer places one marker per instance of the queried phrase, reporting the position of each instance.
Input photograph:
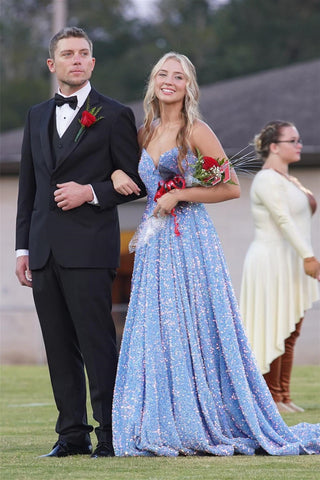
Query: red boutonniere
(88, 118)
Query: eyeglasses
(293, 142)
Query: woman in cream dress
(280, 269)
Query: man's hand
(22, 271)
(70, 195)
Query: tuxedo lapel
(46, 134)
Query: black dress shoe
(64, 449)
(104, 449)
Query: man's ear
(51, 66)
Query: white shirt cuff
(20, 252)
(95, 199)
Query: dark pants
(74, 309)
(279, 377)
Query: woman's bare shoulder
(203, 138)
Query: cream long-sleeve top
(275, 291)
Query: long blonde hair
(190, 109)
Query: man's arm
(27, 189)
(125, 156)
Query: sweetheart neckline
(161, 155)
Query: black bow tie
(60, 100)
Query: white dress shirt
(65, 114)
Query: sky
(143, 7)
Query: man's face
(72, 63)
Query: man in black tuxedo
(67, 236)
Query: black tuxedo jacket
(87, 236)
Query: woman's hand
(166, 203)
(123, 184)
(312, 267)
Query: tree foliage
(223, 40)
(266, 34)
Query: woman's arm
(203, 139)
(123, 184)
(270, 191)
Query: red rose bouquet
(208, 171)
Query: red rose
(209, 162)
(87, 119)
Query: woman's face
(171, 82)
(289, 145)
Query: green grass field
(28, 417)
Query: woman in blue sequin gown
(187, 380)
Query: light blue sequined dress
(187, 381)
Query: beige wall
(21, 340)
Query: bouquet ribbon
(176, 182)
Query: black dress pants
(74, 310)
